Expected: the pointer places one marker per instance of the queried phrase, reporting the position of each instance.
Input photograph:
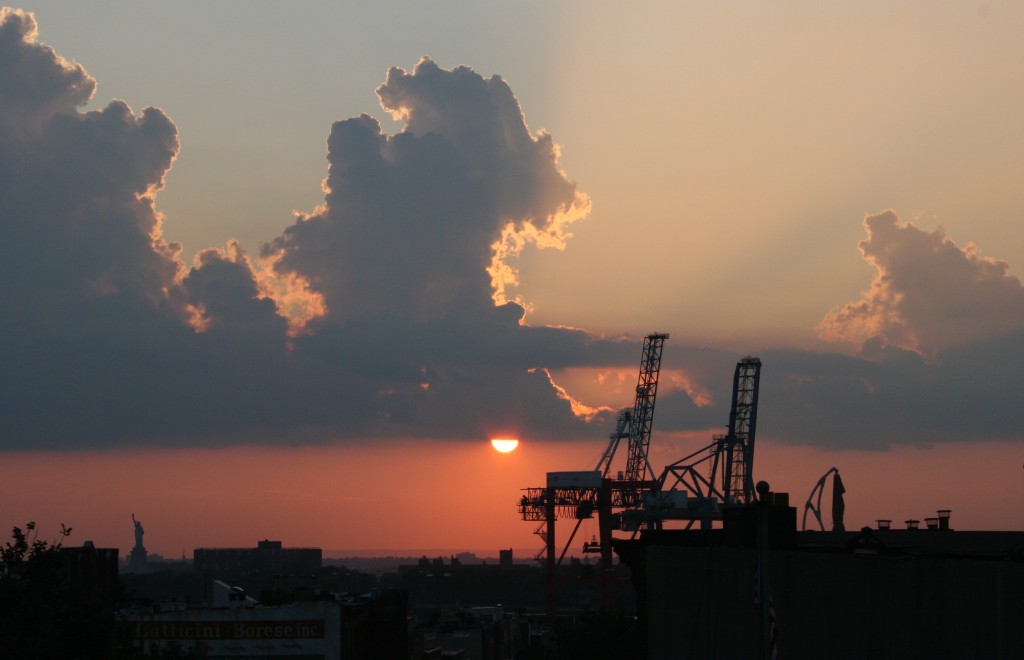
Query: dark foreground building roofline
(871, 593)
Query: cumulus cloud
(391, 309)
(37, 82)
(79, 223)
(928, 293)
(938, 335)
(423, 224)
(372, 315)
(411, 257)
(224, 292)
(107, 336)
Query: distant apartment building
(267, 556)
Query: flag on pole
(773, 632)
(757, 584)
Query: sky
(282, 271)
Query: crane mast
(737, 477)
(635, 423)
(638, 466)
(729, 480)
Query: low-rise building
(306, 630)
(268, 556)
(234, 625)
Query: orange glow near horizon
(385, 495)
(413, 495)
(504, 445)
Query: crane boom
(635, 423)
(638, 466)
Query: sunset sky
(283, 270)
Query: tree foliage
(25, 547)
(44, 613)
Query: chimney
(911, 523)
(884, 525)
(943, 518)
(932, 523)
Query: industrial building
(756, 587)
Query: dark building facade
(90, 570)
(913, 593)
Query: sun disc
(504, 445)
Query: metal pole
(604, 522)
(552, 564)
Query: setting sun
(504, 445)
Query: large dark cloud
(374, 315)
(79, 225)
(895, 397)
(87, 283)
(390, 310)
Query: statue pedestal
(137, 559)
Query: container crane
(684, 491)
(580, 494)
(694, 488)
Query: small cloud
(223, 286)
(928, 294)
